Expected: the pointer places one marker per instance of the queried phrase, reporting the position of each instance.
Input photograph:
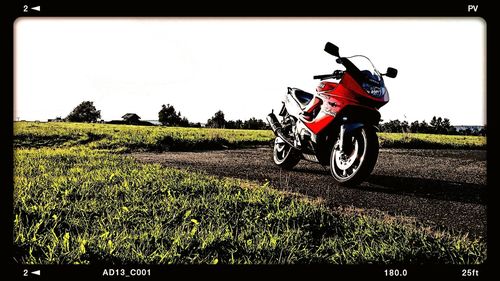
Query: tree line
(437, 125)
(169, 116)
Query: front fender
(347, 130)
(350, 127)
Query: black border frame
(143, 8)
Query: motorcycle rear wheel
(284, 155)
(350, 168)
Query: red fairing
(336, 96)
(319, 123)
(350, 89)
(326, 86)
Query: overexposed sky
(242, 66)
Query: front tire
(284, 155)
(353, 165)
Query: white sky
(242, 66)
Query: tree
(405, 128)
(467, 132)
(217, 121)
(434, 122)
(84, 112)
(482, 132)
(238, 124)
(424, 127)
(195, 125)
(254, 124)
(184, 122)
(393, 126)
(231, 125)
(168, 116)
(441, 126)
(448, 128)
(414, 127)
(451, 131)
(437, 125)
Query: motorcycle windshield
(368, 76)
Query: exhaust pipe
(273, 122)
(277, 129)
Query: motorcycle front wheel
(284, 155)
(354, 163)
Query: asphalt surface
(445, 189)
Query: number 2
(25, 10)
(25, 272)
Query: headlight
(374, 91)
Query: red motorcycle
(337, 125)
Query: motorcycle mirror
(391, 72)
(332, 49)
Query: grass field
(82, 205)
(431, 141)
(127, 137)
(78, 201)
(131, 138)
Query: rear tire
(353, 167)
(284, 155)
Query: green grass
(81, 205)
(75, 202)
(431, 141)
(131, 138)
(126, 138)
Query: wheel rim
(281, 150)
(346, 164)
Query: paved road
(442, 188)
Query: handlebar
(323, 76)
(337, 74)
